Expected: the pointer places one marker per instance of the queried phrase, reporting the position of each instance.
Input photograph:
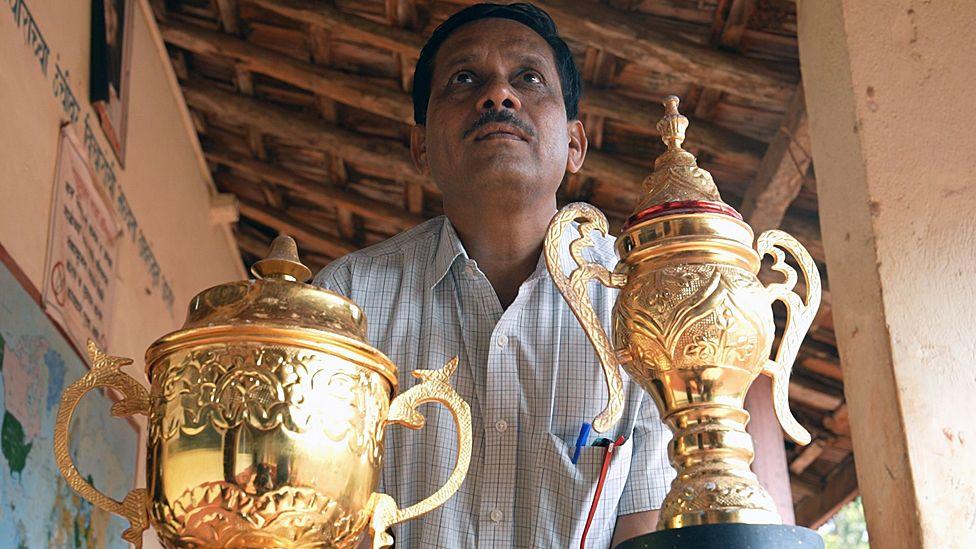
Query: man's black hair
(527, 14)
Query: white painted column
(891, 96)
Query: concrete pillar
(892, 106)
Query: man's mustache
(503, 117)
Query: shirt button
(501, 425)
(496, 516)
(502, 340)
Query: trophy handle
(799, 316)
(575, 293)
(435, 386)
(105, 372)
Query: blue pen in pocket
(581, 440)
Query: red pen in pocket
(599, 487)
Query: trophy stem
(711, 452)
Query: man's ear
(577, 146)
(418, 148)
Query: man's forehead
(472, 41)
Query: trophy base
(729, 536)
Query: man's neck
(505, 242)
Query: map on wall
(37, 508)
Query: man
(496, 95)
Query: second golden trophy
(693, 326)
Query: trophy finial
(282, 262)
(677, 179)
(672, 127)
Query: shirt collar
(449, 248)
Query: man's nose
(498, 95)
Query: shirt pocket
(568, 489)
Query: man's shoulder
(388, 255)
(604, 247)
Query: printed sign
(79, 281)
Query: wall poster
(37, 508)
(83, 242)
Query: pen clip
(584, 434)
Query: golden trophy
(693, 326)
(266, 416)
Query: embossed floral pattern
(220, 514)
(226, 386)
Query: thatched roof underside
(303, 111)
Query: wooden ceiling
(303, 110)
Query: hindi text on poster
(82, 249)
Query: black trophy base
(729, 536)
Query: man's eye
(532, 77)
(463, 77)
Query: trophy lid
(677, 185)
(277, 307)
(682, 216)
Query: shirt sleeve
(650, 471)
(335, 277)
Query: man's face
(496, 121)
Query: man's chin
(503, 161)
(504, 174)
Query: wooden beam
(839, 421)
(781, 171)
(354, 27)
(340, 86)
(381, 155)
(735, 25)
(304, 234)
(807, 456)
(605, 103)
(315, 192)
(320, 42)
(414, 198)
(839, 488)
(612, 171)
(628, 35)
(349, 227)
(807, 393)
(827, 368)
(804, 487)
(702, 133)
(252, 244)
(227, 12)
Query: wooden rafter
(781, 171)
(730, 34)
(627, 35)
(600, 102)
(316, 193)
(337, 85)
(354, 27)
(305, 234)
(227, 11)
(382, 155)
(839, 488)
